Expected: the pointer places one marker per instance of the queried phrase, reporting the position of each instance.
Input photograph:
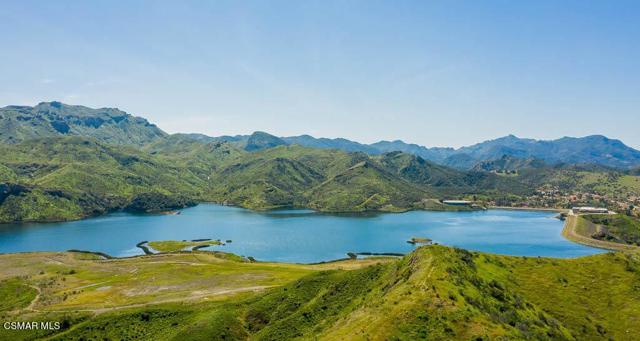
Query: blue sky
(437, 73)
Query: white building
(592, 210)
(457, 202)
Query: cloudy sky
(437, 73)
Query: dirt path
(170, 300)
(35, 299)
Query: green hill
(73, 177)
(614, 184)
(264, 183)
(202, 157)
(507, 164)
(420, 171)
(434, 293)
(260, 140)
(365, 187)
(337, 181)
(50, 119)
(616, 228)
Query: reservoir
(302, 236)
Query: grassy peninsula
(177, 245)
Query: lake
(302, 235)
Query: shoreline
(569, 232)
(177, 212)
(537, 209)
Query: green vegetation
(54, 119)
(175, 245)
(73, 177)
(365, 187)
(581, 230)
(509, 165)
(61, 162)
(616, 228)
(435, 293)
(15, 294)
(158, 202)
(419, 240)
(336, 181)
(74, 281)
(612, 183)
(595, 297)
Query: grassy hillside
(333, 180)
(616, 228)
(434, 293)
(264, 181)
(580, 230)
(365, 187)
(73, 177)
(508, 164)
(64, 178)
(52, 119)
(15, 294)
(202, 157)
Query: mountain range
(113, 126)
(593, 149)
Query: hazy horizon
(436, 74)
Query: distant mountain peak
(48, 119)
(260, 140)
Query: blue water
(302, 235)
